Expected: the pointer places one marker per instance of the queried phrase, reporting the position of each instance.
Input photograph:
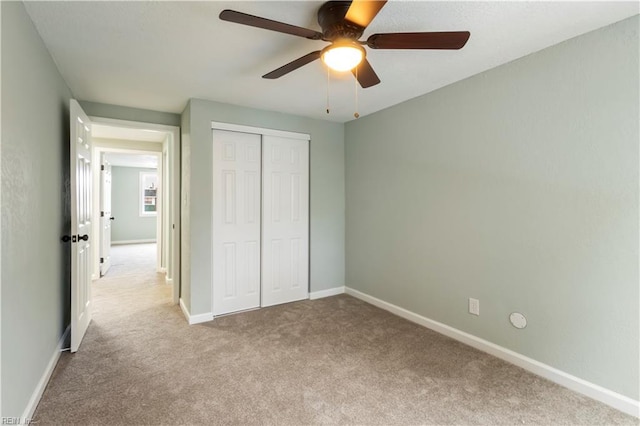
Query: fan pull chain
(356, 114)
(328, 80)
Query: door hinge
(102, 260)
(101, 214)
(102, 167)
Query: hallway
(131, 261)
(131, 284)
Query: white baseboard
(115, 243)
(620, 402)
(195, 319)
(326, 293)
(30, 410)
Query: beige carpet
(331, 361)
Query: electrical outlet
(474, 306)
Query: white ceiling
(157, 55)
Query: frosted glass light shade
(342, 57)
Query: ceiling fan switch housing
(334, 26)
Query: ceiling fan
(343, 23)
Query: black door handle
(66, 238)
(84, 237)
(112, 218)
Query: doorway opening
(136, 201)
(131, 199)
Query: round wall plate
(518, 320)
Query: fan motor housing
(334, 26)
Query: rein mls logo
(15, 421)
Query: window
(148, 193)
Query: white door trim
(258, 130)
(173, 221)
(97, 151)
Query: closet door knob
(84, 237)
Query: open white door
(285, 220)
(105, 215)
(81, 202)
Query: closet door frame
(258, 130)
(269, 132)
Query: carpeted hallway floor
(330, 361)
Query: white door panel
(285, 220)
(81, 208)
(236, 221)
(105, 216)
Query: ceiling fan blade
(292, 66)
(362, 12)
(438, 40)
(268, 24)
(365, 74)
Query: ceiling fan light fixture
(343, 56)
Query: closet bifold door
(285, 220)
(236, 221)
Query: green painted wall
(327, 212)
(519, 187)
(128, 224)
(96, 109)
(35, 208)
